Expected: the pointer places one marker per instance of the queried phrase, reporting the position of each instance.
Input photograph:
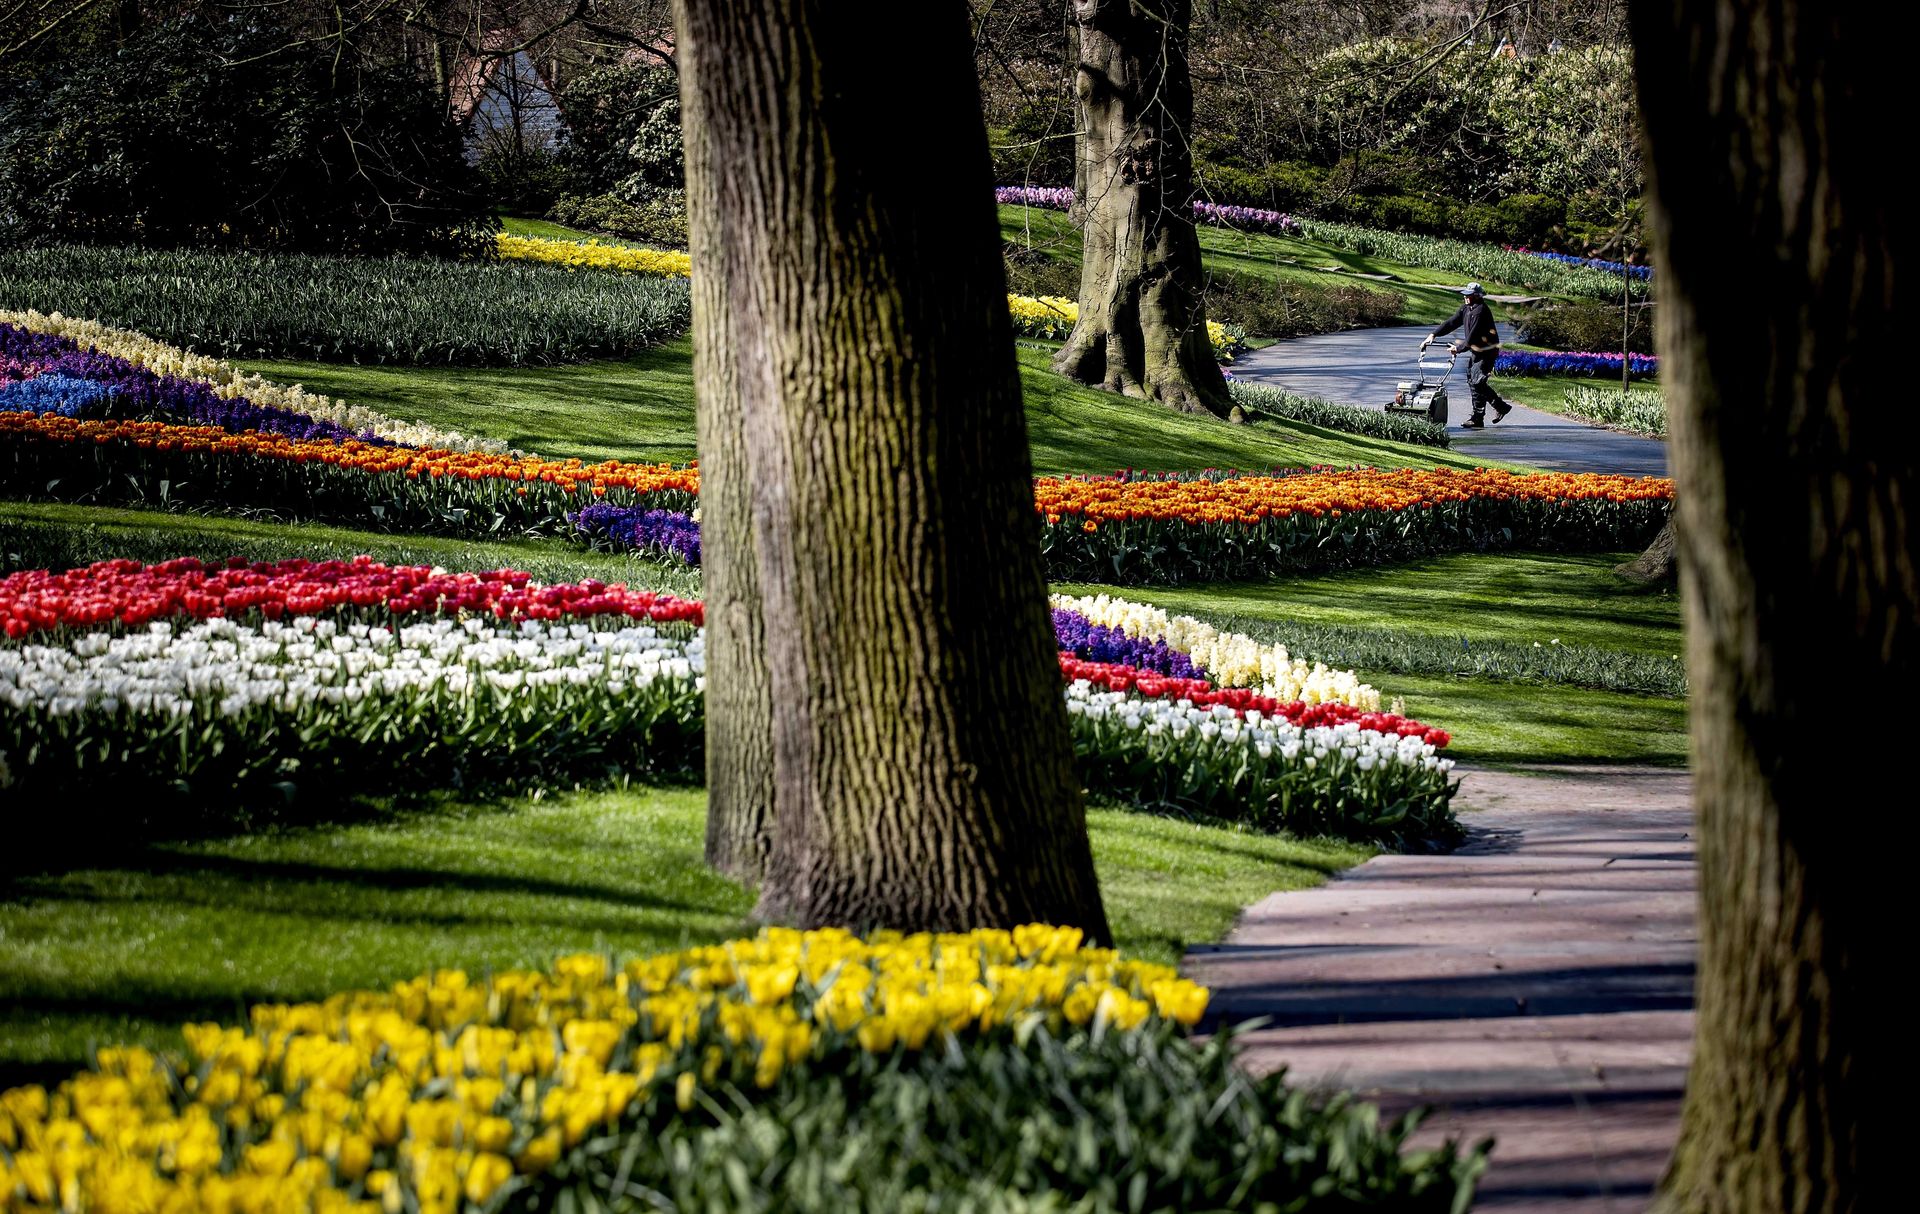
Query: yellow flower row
(442, 1092)
(591, 255)
(1053, 316)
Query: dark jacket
(1475, 319)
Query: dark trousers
(1479, 367)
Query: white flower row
(220, 666)
(230, 382)
(1231, 659)
(1182, 719)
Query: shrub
(661, 220)
(1585, 326)
(623, 134)
(525, 181)
(387, 310)
(1374, 423)
(1292, 308)
(238, 133)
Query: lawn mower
(1426, 393)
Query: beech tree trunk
(862, 424)
(1142, 328)
(1781, 323)
(1659, 563)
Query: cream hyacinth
(230, 382)
(1232, 659)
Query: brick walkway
(1536, 985)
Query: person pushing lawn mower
(1480, 341)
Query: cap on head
(1472, 288)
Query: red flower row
(132, 594)
(1116, 677)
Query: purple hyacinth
(1060, 198)
(126, 392)
(1091, 642)
(666, 531)
(1576, 362)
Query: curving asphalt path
(1361, 366)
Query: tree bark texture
(1142, 328)
(739, 707)
(1777, 241)
(1660, 563)
(854, 320)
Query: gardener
(1481, 340)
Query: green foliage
(623, 134)
(1640, 411)
(1486, 262)
(385, 310)
(661, 220)
(1377, 423)
(525, 181)
(240, 133)
(1586, 326)
(1105, 1122)
(1286, 307)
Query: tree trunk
(1143, 324)
(1776, 238)
(1660, 563)
(855, 321)
(739, 703)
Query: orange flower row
(414, 462)
(1254, 499)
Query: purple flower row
(1060, 198)
(1640, 273)
(660, 531)
(1576, 362)
(1092, 642)
(44, 373)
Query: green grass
(1430, 298)
(124, 945)
(1525, 596)
(642, 409)
(546, 229)
(40, 535)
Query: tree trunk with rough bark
(1660, 563)
(854, 321)
(739, 738)
(1142, 328)
(1776, 237)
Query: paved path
(1536, 985)
(1361, 366)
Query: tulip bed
(797, 1071)
(181, 689)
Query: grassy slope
(515, 225)
(1519, 596)
(642, 409)
(125, 946)
(1429, 297)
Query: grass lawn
(545, 229)
(642, 409)
(1430, 297)
(39, 535)
(124, 945)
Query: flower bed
(1251, 219)
(1577, 362)
(187, 693)
(1133, 532)
(1052, 317)
(229, 383)
(1642, 411)
(591, 255)
(1351, 419)
(761, 1073)
(1643, 273)
(638, 529)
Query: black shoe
(1473, 425)
(1500, 412)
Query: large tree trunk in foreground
(855, 318)
(1777, 240)
(1142, 327)
(738, 705)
